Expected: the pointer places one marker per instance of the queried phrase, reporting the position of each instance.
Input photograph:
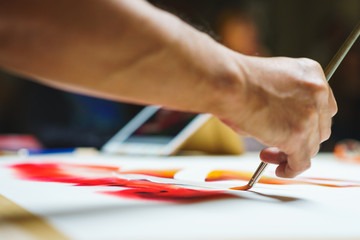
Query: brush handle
(341, 53)
(257, 174)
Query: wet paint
(78, 175)
(242, 188)
(167, 173)
(220, 175)
(167, 192)
(108, 176)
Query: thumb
(273, 155)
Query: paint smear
(220, 175)
(90, 175)
(107, 176)
(167, 192)
(167, 173)
(242, 188)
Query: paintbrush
(329, 71)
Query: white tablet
(155, 131)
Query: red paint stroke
(220, 175)
(167, 192)
(91, 175)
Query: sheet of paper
(117, 197)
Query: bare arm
(123, 50)
(128, 50)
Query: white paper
(267, 211)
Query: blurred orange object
(348, 151)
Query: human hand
(288, 105)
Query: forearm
(120, 50)
(127, 50)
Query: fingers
(285, 170)
(295, 156)
(326, 111)
(295, 116)
(273, 155)
(325, 126)
(289, 165)
(332, 103)
(302, 148)
(294, 165)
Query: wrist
(218, 73)
(230, 84)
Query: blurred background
(296, 28)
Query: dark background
(296, 28)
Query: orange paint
(154, 173)
(242, 188)
(219, 175)
(99, 175)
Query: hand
(287, 105)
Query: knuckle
(335, 110)
(312, 78)
(318, 89)
(334, 107)
(317, 97)
(307, 165)
(315, 150)
(308, 63)
(314, 95)
(326, 135)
